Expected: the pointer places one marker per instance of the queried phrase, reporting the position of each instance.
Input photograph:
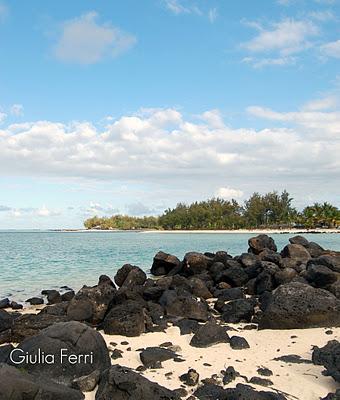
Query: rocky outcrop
(329, 357)
(297, 305)
(164, 263)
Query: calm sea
(32, 261)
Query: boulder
(84, 345)
(320, 275)
(198, 288)
(191, 378)
(122, 383)
(238, 343)
(187, 326)
(90, 304)
(87, 383)
(6, 320)
(129, 276)
(35, 301)
(209, 334)
(296, 305)
(195, 263)
(261, 242)
(19, 385)
(296, 252)
(235, 276)
(330, 261)
(68, 296)
(5, 352)
(53, 297)
(28, 325)
(329, 357)
(163, 263)
(152, 357)
(184, 306)
(5, 303)
(241, 310)
(285, 275)
(127, 319)
(299, 240)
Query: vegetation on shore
(271, 210)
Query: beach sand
(300, 381)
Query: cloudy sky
(132, 106)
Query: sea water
(34, 260)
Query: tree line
(270, 210)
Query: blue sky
(132, 106)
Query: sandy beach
(298, 381)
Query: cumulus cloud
(280, 40)
(84, 40)
(29, 211)
(100, 210)
(166, 150)
(228, 193)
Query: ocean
(34, 260)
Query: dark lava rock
(19, 385)
(152, 357)
(297, 252)
(184, 306)
(59, 309)
(16, 306)
(31, 324)
(6, 320)
(329, 357)
(261, 242)
(129, 276)
(195, 263)
(255, 380)
(293, 359)
(240, 310)
(54, 297)
(191, 378)
(163, 263)
(332, 396)
(187, 326)
(299, 240)
(238, 343)
(76, 339)
(68, 296)
(229, 375)
(127, 319)
(210, 391)
(35, 301)
(264, 371)
(87, 383)
(320, 275)
(297, 305)
(121, 383)
(90, 304)
(235, 276)
(199, 288)
(5, 351)
(116, 354)
(209, 334)
(245, 392)
(5, 303)
(230, 294)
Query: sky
(133, 106)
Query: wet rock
(78, 340)
(297, 305)
(18, 384)
(127, 319)
(163, 263)
(35, 301)
(191, 378)
(209, 334)
(86, 383)
(121, 383)
(238, 343)
(329, 357)
(5, 303)
(261, 242)
(54, 297)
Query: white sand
(300, 381)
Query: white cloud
(85, 41)
(322, 16)
(165, 152)
(331, 49)
(279, 42)
(100, 210)
(212, 14)
(3, 116)
(325, 103)
(228, 193)
(17, 110)
(176, 7)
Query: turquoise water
(32, 261)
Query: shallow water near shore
(34, 260)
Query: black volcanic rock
(163, 263)
(209, 334)
(329, 357)
(261, 242)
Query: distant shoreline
(208, 231)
